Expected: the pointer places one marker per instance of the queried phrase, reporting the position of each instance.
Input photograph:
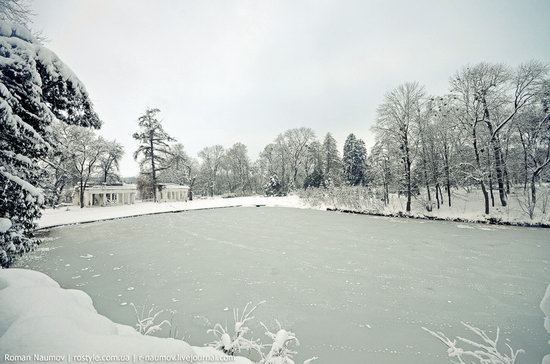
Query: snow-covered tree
(15, 11)
(237, 167)
(314, 166)
(179, 166)
(274, 187)
(274, 162)
(397, 117)
(297, 142)
(153, 147)
(212, 158)
(86, 150)
(36, 88)
(109, 161)
(354, 161)
(332, 162)
(57, 165)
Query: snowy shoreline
(489, 221)
(74, 215)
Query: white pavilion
(107, 195)
(172, 192)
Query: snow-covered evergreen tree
(153, 146)
(354, 161)
(332, 162)
(36, 88)
(274, 187)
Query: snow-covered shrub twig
(147, 320)
(484, 352)
(235, 342)
(280, 352)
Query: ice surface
(354, 289)
(545, 307)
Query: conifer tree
(354, 161)
(36, 89)
(332, 162)
(154, 147)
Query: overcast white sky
(226, 71)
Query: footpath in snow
(75, 214)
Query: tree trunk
(478, 162)
(409, 189)
(485, 196)
(437, 189)
(533, 190)
(153, 167)
(447, 177)
(429, 205)
(499, 167)
(491, 189)
(81, 193)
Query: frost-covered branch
(483, 351)
(147, 320)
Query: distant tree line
(490, 132)
(294, 160)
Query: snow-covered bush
(236, 341)
(36, 89)
(147, 320)
(280, 351)
(485, 351)
(274, 187)
(527, 204)
(354, 198)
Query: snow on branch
(147, 320)
(483, 351)
(236, 341)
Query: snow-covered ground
(466, 206)
(353, 288)
(75, 214)
(41, 322)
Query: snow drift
(38, 317)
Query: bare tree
(397, 116)
(109, 161)
(534, 133)
(466, 86)
(86, 150)
(296, 142)
(237, 163)
(211, 161)
(16, 11)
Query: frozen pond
(355, 289)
